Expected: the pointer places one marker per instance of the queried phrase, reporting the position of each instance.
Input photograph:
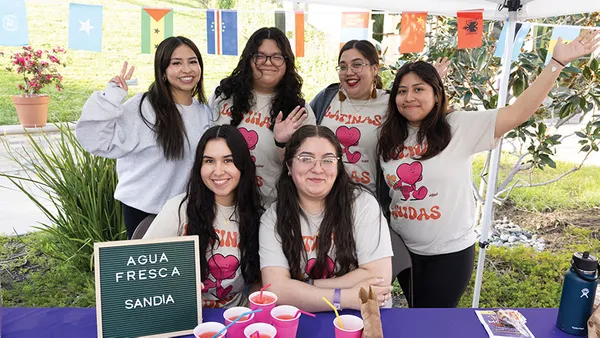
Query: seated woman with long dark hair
(333, 231)
(221, 206)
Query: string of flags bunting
(85, 29)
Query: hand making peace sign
(121, 80)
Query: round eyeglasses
(357, 67)
(260, 59)
(308, 162)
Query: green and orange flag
(157, 25)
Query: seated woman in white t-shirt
(221, 206)
(333, 231)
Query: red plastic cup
(209, 329)
(265, 330)
(267, 304)
(353, 327)
(285, 320)
(237, 329)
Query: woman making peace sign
(152, 135)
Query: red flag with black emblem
(470, 29)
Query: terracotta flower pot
(32, 110)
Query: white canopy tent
(511, 10)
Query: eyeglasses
(357, 67)
(277, 60)
(308, 162)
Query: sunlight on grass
(578, 190)
(90, 71)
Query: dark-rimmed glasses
(260, 59)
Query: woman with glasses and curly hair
(335, 236)
(263, 98)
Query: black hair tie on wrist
(560, 63)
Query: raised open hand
(121, 79)
(284, 129)
(442, 66)
(584, 44)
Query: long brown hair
(338, 218)
(434, 128)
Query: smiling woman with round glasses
(329, 228)
(263, 98)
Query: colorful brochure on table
(499, 329)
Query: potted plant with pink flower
(38, 68)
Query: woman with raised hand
(324, 236)
(425, 154)
(152, 135)
(222, 206)
(263, 98)
(355, 107)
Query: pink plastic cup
(268, 303)
(209, 329)
(237, 330)
(285, 320)
(265, 330)
(353, 327)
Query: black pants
(132, 218)
(437, 281)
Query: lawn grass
(89, 71)
(578, 190)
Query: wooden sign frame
(97, 270)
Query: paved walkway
(19, 215)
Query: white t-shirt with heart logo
(224, 285)
(432, 205)
(356, 124)
(255, 129)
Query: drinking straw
(337, 315)
(255, 333)
(235, 320)
(306, 313)
(261, 291)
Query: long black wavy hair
(239, 84)
(169, 128)
(338, 216)
(201, 208)
(434, 128)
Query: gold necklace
(353, 106)
(226, 219)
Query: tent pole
(488, 211)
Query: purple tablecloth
(413, 323)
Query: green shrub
(519, 277)
(80, 186)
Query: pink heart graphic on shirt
(348, 136)
(410, 173)
(330, 267)
(222, 267)
(251, 137)
(420, 193)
